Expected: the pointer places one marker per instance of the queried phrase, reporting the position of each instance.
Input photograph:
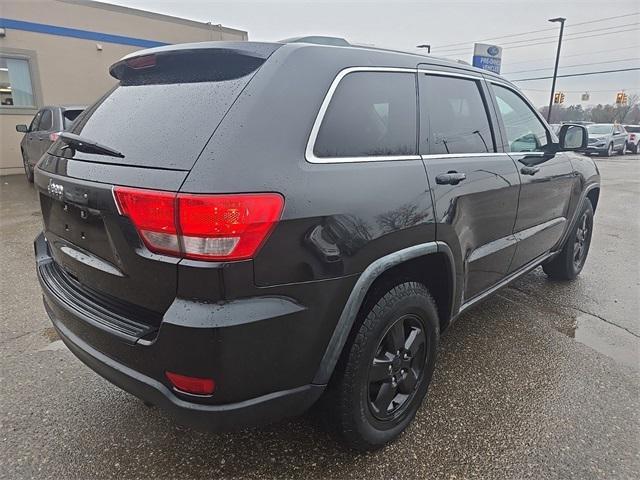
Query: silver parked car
(42, 132)
(606, 138)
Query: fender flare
(358, 293)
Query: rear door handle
(529, 170)
(450, 178)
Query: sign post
(487, 57)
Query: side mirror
(22, 128)
(573, 138)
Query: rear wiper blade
(87, 145)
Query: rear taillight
(53, 136)
(632, 136)
(202, 227)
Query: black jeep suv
(236, 228)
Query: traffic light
(621, 98)
(558, 97)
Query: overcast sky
(441, 23)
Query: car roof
(265, 49)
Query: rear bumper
(257, 411)
(196, 349)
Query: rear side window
(46, 122)
(453, 116)
(525, 131)
(371, 114)
(69, 116)
(632, 129)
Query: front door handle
(529, 170)
(450, 178)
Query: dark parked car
(237, 228)
(42, 132)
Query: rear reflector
(194, 385)
(202, 227)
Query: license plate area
(78, 225)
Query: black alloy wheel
(397, 367)
(582, 240)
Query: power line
(537, 31)
(452, 54)
(574, 65)
(577, 55)
(581, 74)
(555, 37)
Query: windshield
(632, 129)
(600, 129)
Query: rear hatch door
(160, 117)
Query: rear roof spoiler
(255, 50)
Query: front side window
(453, 116)
(46, 122)
(371, 114)
(525, 132)
(35, 122)
(16, 88)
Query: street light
(428, 47)
(555, 70)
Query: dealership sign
(487, 57)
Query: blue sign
(487, 57)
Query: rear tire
(634, 148)
(385, 371)
(570, 261)
(27, 169)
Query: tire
(609, 151)
(624, 149)
(27, 169)
(634, 148)
(570, 261)
(372, 413)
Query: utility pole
(555, 70)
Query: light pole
(428, 47)
(555, 70)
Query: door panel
(476, 216)
(474, 188)
(546, 177)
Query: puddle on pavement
(610, 340)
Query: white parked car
(633, 137)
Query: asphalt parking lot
(542, 380)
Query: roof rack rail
(319, 40)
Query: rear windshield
(69, 116)
(632, 128)
(163, 116)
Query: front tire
(386, 369)
(609, 151)
(570, 261)
(624, 149)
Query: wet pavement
(542, 380)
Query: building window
(16, 88)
